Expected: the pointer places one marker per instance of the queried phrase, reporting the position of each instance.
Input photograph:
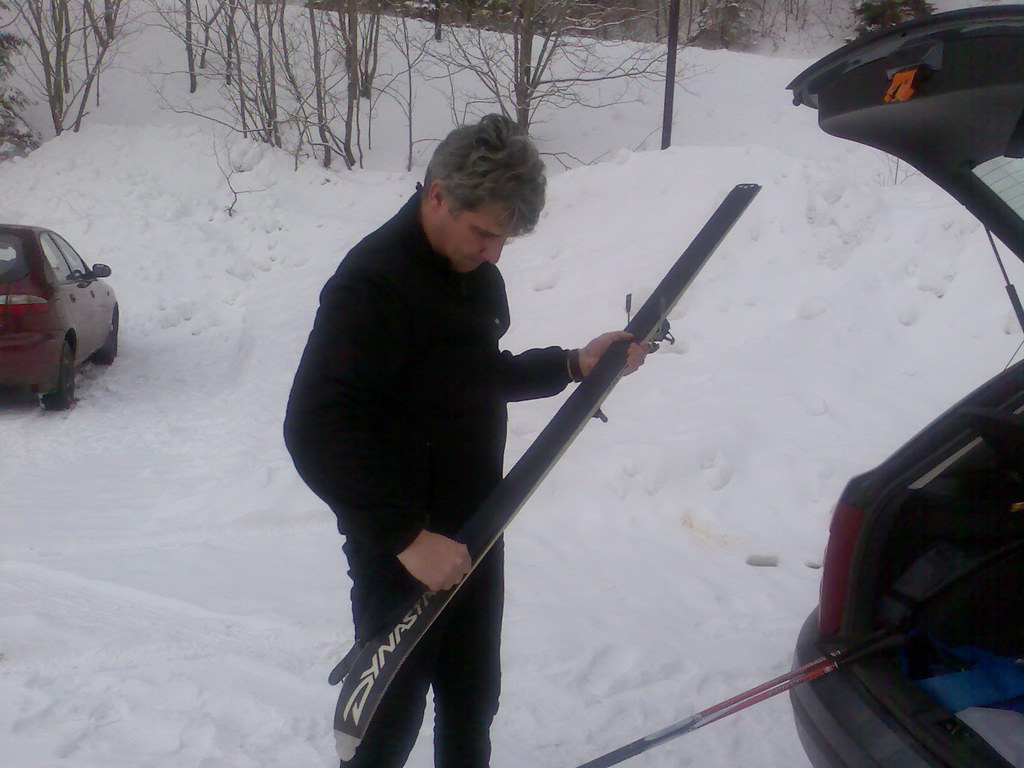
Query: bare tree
(290, 76)
(345, 26)
(412, 46)
(369, 53)
(192, 21)
(323, 129)
(229, 169)
(190, 51)
(72, 42)
(553, 51)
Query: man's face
(466, 238)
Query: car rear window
(13, 262)
(1005, 177)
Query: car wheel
(105, 355)
(61, 398)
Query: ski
(368, 669)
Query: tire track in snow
(153, 542)
(150, 628)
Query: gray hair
(492, 163)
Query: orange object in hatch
(902, 86)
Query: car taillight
(835, 579)
(20, 304)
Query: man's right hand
(436, 561)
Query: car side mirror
(100, 270)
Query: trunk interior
(950, 570)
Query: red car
(55, 313)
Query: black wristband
(573, 360)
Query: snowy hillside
(172, 595)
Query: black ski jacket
(397, 415)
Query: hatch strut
(1010, 290)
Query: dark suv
(929, 546)
(55, 313)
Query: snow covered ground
(172, 595)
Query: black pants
(458, 657)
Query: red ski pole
(741, 701)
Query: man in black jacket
(397, 420)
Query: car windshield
(1005, 177)
(13, 264)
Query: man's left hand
(590, 354)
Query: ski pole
(780, 684)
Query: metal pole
(670, 73)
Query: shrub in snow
(873, 15)
(729, 24)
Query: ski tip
(337, 675)
(342, 667)
(345, 745)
